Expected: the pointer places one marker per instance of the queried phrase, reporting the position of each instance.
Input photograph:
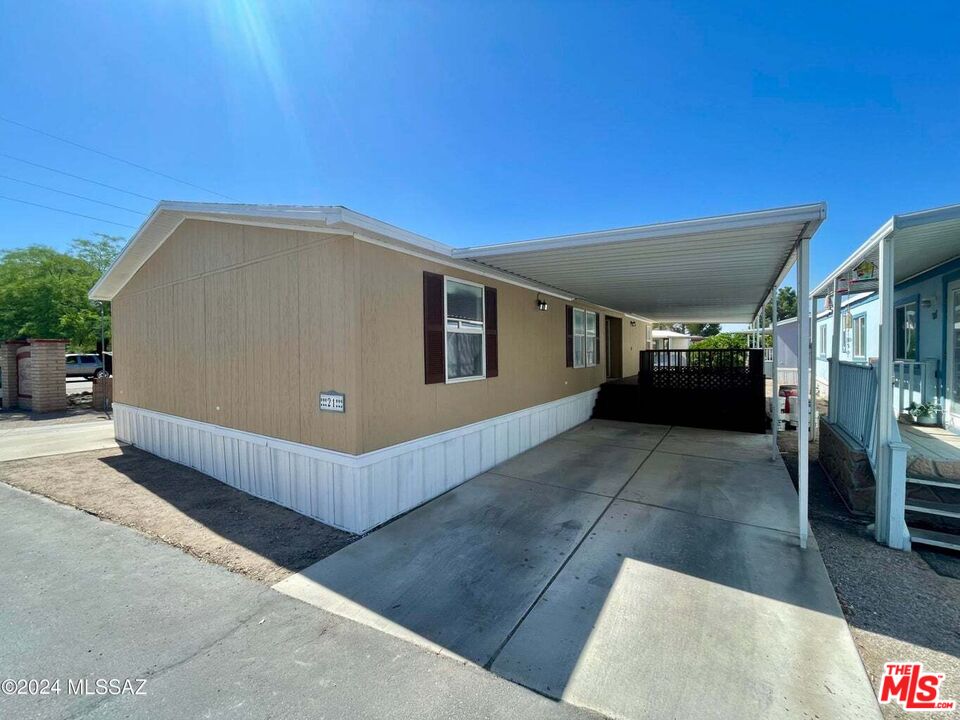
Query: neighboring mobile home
(352, 370)
(896, 341)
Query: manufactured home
(352, 370)
(894, 345)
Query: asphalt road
(88, 600)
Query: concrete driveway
(86, 600)
(56, 439)
(639, 571)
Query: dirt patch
(182, 507)
(897, 606)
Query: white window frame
(483, 332)
(857, 339)
(822, 340)
(587, 338)
(582, 338)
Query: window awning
(717, 269)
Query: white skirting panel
(352, 492)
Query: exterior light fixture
(542, 304)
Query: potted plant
(925, 413)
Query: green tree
(721, 341)
(100, 253)
(704, 330)
(786, 305)
(43, 292)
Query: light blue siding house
(896, 341)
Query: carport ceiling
(718, 269)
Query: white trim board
(352, 492)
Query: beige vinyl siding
(399, 406)
(243, 327)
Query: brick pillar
(8, 372)
(48, 375)
(102, 393)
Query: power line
(65, 212)
(114, 157)
(64, 192)
(78, 177)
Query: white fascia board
(813, 214)
(104, 288)
(926, 217)
(870, 244)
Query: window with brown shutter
(569, 312)
(490, 327)
(434, 343)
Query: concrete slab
(615, 432)
(719, 444)
(667, 614)
(457, 574)
(588, 467)
(756, 493)
(45, 440)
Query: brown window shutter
(596, 340)
(434, 348)
(569, 336)
(490, 328)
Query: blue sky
(483, 122)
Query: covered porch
(905, 354)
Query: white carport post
(775, 375)
(834, 352)
(890, 527)
(803, 383)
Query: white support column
(775, 380)
(835, 351)
(889, 517)
(803, 382)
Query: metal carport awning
(717, 269)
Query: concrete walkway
(639, 571)
(27, 442)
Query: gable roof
(716, 269)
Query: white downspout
(803, 381)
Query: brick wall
(102, 393)
(48, 373)
(8, 372)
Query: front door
(951, 415)
(614, 347)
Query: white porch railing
(858, 413)
(914, 381)
(856, 401)
(787, 376)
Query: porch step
(933, 508)
(939, 482)
(932, 537)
